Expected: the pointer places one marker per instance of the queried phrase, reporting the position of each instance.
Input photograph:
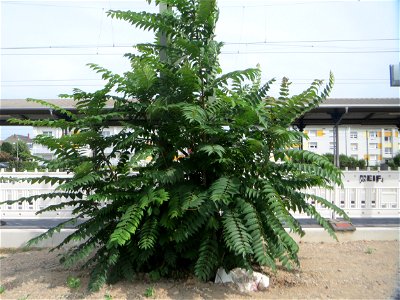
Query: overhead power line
(99, 85)
(92, 79)
(223, 52)
(226, 43)
(282, 3)
(314, 41)
(310, 52)
(37, 85)
(66, 47)
(33, 80)
(32, 3)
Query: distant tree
(23, 165)
(396, 159)
(346, 161)
(395, 162)
(18, 155)
(21, 150)
(6, 157)
(361, 163)
(7, 147)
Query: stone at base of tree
(341, 225)
(246, 281)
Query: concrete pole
(163, 36)
(336, 148)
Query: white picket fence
(365, 194)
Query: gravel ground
(350, 270)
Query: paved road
(48, 223)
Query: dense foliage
(7, 147)
(223, 179)
(17, 156)
(347, 161)
(395, 161)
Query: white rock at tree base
(222, 277)
(245, 280)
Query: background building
(375, 144)
(44, 152)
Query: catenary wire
(226, 53)
(225, 43)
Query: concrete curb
(316, 235)
(15, 238)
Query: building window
(373, 146)
(373, 158)
(313, 145)
(48, 133)
(373, 134)
(354, 146)
(312, 133)
(47, 156)
(388, 139)
(353, 134)
(331, 145)
(355, 156)
(388, 150)
(331, 133)
(105, 133)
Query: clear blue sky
(300, 39)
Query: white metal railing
(365, 194)
(25, 210)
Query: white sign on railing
(365, 194)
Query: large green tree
(223, 179)
(17, 155)
(7, 147)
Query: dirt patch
(351, 270)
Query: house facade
(374, 144)
(44, 152)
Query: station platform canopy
(333, 111)
(29, 110)
(353, 111)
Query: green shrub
(73, 282)
(394, 163)
(222, 181)
(149, 292)
(347, 161)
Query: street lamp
(16, 145)
(17, 148)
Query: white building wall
(44, 152)
(39, 150)
(373, 143)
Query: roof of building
(26, 104)
(362, 111)
(18, 137)
(357, 102)
(26, 109)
